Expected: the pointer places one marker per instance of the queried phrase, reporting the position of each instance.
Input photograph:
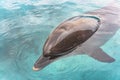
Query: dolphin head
(65, 38)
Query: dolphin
(83, 34)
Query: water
(24, 27)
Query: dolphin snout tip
(35, 69)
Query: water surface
(24, 27)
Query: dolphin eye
(54, 56)
(46, 54)
(51, 56)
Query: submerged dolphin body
(84, 34)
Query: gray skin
(81, 35)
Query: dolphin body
(83, 34)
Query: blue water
(24, 27)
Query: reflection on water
(23, 32)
